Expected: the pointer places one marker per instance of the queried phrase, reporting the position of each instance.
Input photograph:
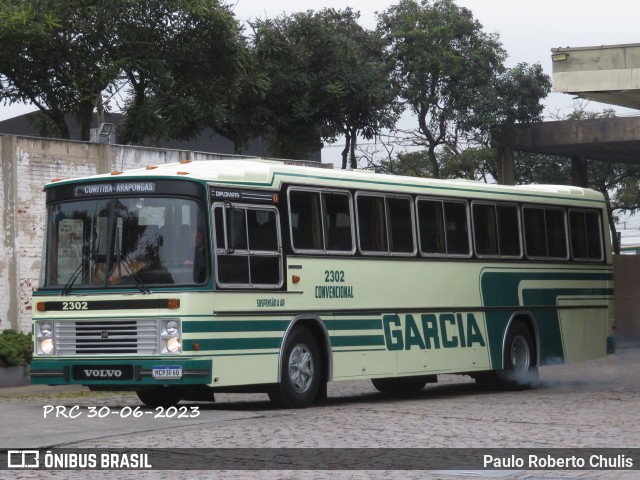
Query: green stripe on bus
(232, 344)
(235, 326)
(357, 341)
(352, 324)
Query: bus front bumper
(120, 372)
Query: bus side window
(262, 230)
(248, 252)
(400, 225)
(485, 229)
(306, 230)
(545, 232)
(431, 227)
(496, 230)
(371, 224)
(556, 233)
(534, 232)
(509, 230)
(586, 240)
(337, 220)
(456, 228)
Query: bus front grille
(98, 337)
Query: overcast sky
(528, 30)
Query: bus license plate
(167, 372)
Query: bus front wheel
(301, 371)
(160, 396)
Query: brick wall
(27, 164)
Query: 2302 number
(334, 276)
(75, 306)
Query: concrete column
(104, 158)
(579, 177)
(506, 166)
(10, 214)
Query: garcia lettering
(447, 330)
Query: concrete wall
(26, 164)
(627, 304)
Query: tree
(189, 67)
(177, 61)
(451, 75)
(359, 79)
(327, 77)
(54, 55)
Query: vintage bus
(181, 280)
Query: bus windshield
(132, 242)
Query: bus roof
(270, 174)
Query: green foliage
(189, 67)
(58, 56)
(71, 57)
(328, 76)
(471, 164)
(451, 75)
(16, 348)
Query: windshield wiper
(76, 273)
(133, 275)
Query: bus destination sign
(96, 189)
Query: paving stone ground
(593, 404)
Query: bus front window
(126, 242)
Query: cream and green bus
(180, 280)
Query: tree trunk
(615, 243)
(345, 152)
(85, 118)
(354, 160)
(434, 162)
(58, 119)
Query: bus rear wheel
(160, 396)
(400, 384)
(519, 369)
(301, 371)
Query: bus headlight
(172, 327)
(46, 346)
(170, 336)
(46, 329)
(173, 345)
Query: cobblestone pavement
(591, 404)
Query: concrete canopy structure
(615, 140)
(608, 74)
